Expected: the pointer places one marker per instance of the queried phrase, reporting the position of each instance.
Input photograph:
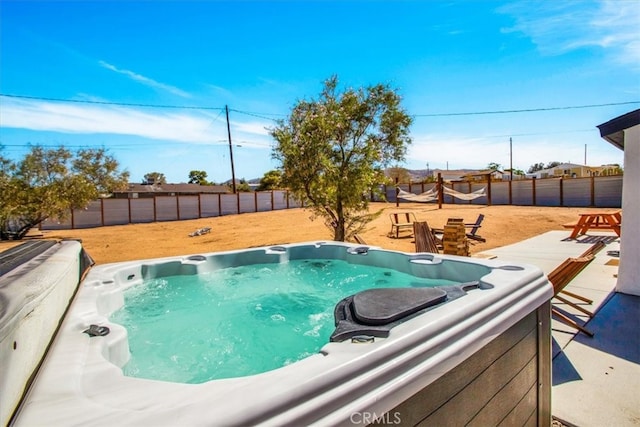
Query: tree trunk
(339, 232)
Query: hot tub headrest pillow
(373, 312)
(386, 305)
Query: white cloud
(557, 27)
(92, 119)
(461, 152)
(204, 127)
(145, 80)
(253, 128)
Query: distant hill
(249, 181)
(420, 174)
(415, 174)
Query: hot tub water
(242, 320)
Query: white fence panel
(91, 216)
(577, 192)
(228, 204)
(142, 210)
(522, 193)
(499, 193)
(116, 211)
(57, 223)
(166, 208)
(280, 200)
(547, 192)
(390, 192)
(264, 201)
(608, 192)
(480, 200)
(189, 207)
(209, 205)
(247, 202)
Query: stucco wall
(629, 271)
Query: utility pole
(585, 154)
(511, 159)
(233, 172)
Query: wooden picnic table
(596, 221)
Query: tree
(198, 177)
(540, 166)
(50, 182)
(153, 178)
(243, 186)
(494, 166)
(402, 175)
(9, 192)
(333, 151)
(553, 164)
(535, 167)
(270, 181)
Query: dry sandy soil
(502, 225)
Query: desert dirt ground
(502, 225)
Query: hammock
(427, 196)
(465, 196)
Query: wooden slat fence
(104, 212)
(605, 191)
(601, 191)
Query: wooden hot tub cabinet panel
(507, 382)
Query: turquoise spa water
(241, 321)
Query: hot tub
(482, 356)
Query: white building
(624, 133)
(573, 170)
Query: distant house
(506, 175)
(135, 191)
(572, 170)
(481, 175)
(451, 175)
(467, 175)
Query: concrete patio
(596, 381)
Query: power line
(259, 115)
(264, 115)
(134, 145)
(528, 110)
(124, 104)
(475, 138)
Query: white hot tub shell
(498, 336)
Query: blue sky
(259, 58)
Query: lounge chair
(401, 221)
(472, 233)
(593, 250)
(425, 239)
(559, 278)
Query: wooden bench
(425, 239)
(401, 221)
